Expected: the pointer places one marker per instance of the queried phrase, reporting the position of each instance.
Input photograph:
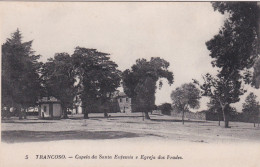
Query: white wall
(79, 110)
(46, 114)
(57, 110)
(124, 103)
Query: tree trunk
(19, 110)
(25, 112)
(105, 114)
(76, 109)
(183, 117)
(86, 115)
(39, 111)
(8, 112)
(218, 119)
(85, 111)
(104, 103)
(226, 121)
(146, 115)
(225, 116)
(65, 113)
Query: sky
(174, 31)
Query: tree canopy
(20, 73)
(234, 47)
(234, 50)
(184, 97)
(58, 76)
(140, 82)
(98, 77)
(165, 108)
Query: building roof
(48, 100)
(122, 94)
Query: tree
(186, 96)
(59, 78)
(140, 82)
(237, 39)
(215, 107)
(224, 90)
(258, 25)
(98, 78)
(251, 108)
(166, 108)
(20, 74)
(256, 74)
(234, 48)
(233, 51)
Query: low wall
(187, 115)
(190, 115)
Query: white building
(124, 103)
(49, 107)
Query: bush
(166, 108)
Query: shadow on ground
(13, 122)
(176, 120)
(102, 117)
(38, 136)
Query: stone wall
(187, 115)
(190, 115)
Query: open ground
(122, 126)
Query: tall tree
(256, 74)
(224, 90)
(59, 78)
(20, 73)
(186, 96)
(251, 108)
(98, 78)
(233, 49)
(140, 82)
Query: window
(126, 99)
(44, 108)
(120, 100)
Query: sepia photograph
(130, 84)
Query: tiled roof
(121, 94)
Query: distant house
(49, 107)
(124, 103)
